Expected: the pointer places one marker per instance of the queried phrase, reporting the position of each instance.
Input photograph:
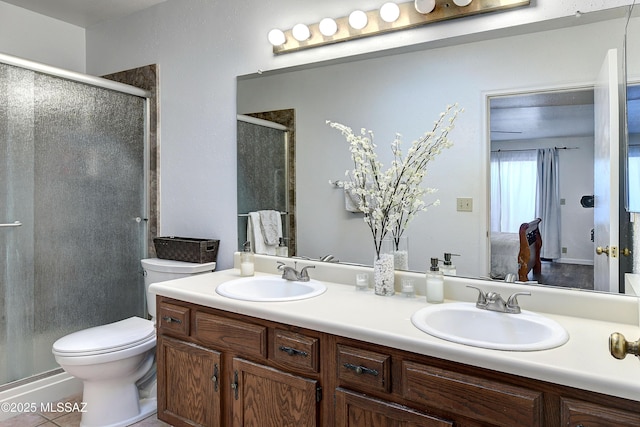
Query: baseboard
(30, 396)
(573, 261)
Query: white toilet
(116, 362)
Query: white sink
(465, 324)
(270, 288)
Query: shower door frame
(109, 85)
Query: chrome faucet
(492, 301)
(290, 273)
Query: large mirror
(404, 92)
(633, 108)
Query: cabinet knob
(619, 347)
(235, 385)
(214, 378)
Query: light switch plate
(464, 204)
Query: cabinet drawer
(355, 409)
(364, 369)
(223, 333)
(173, 319)
(576, 412)
(480, 399)
(296, 350)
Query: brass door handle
(610, 251)
(626, 252)
(619, 347)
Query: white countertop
(583, 362)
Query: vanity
(348, 358)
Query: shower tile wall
(146, 77)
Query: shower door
(263, 178)
(72, 172)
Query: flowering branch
(391, 198)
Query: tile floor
(70, 419)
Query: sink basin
(268, 288)
(465, 324)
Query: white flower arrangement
(391, 198)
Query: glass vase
(400, 249)
(383, 274)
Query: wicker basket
(186, 249)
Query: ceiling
(552, 115)
(84, 13)
(542, 115)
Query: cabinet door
(188, 384)
(267, 397)
(358, 410)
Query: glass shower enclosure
(72, 213)
(263, 178)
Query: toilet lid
(108, 338)
(178, 267)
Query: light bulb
(301, 32)
(276, 37)
(425, 6)
(462, 3)
(389, 12)
(328, 27)
(358, 19)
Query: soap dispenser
(448, 269)
(246, 260)
(435, 283)
(281, 249)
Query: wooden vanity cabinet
(188, 383)
(422, 391)
(220, 369)
(217, 368)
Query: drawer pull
(361, 369)
(292, 351)
(170, 319)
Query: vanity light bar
(409, 17)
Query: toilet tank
(159, 270)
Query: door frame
(486, 106)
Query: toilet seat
(110, 338)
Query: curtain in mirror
(513, 189)
(548, 202)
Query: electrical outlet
(464, 204)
